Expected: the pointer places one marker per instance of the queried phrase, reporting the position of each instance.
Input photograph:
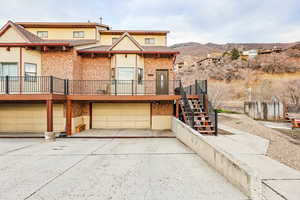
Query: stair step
(208, 132)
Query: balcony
(45, 85)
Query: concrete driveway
(160, 168)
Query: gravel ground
(280, 148)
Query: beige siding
(126, 44)
(65, 33)
(161, 122)
(160, 40)
(11, 36)
(121, 115)
(23, 117)
(28, 56)
(125, 60)
(31, 56)
(13, 55)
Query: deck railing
(53, 85)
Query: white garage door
(24, 117)
(121, 115)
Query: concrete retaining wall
(272, 111)
(236, 172)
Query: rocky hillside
(194, 50)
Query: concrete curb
(235, 171)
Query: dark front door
(162, 81)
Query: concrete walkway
(124, 133)
(280, 181)
(100, 169)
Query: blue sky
(218, 21)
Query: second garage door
(121, 115)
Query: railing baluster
(7, 84)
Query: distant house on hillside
(250, 54)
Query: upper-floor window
(114, 40)
(8, 69)
(42, 34)
(30, 71)
(78, 34)
(149, 40)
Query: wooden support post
(177, 108)
(91, 114)
(49, 115)
(69, 117)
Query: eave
(128, 52)
(33, 44)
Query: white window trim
(150, 41)
(15, 63)
(42, 32)
(74, 32)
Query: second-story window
(30, 71)
(42, 34)
(114, 40)
(78, 34)
(149, 40)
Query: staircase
(194, 114)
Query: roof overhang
(61, 25)
(132, 32)
(33, 44)
(128, 52)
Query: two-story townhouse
(59, 76)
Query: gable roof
(26, 35)
(126, 34)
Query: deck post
(51, 84)
(177, 108)
(49, 115)
(69, 118)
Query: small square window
(42, 34)
(149, 40)
(78, 34)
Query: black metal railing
(201, 91)
(122, 87)
(199, 85)
(54, 85)
(189, 113)
(30, 85)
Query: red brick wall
(95, 68)
(58, 64)
(162, 108)
(151, 64)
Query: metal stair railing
(187, 108)
(201, 90)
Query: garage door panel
(29, 117)
(121, 115)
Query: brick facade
(96, 68)
(162, 108)
(151, 64)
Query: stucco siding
(160, 40)
(65, 33)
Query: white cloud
(189, 20)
